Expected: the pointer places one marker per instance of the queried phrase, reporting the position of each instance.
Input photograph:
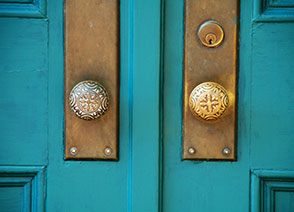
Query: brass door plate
(92, 53)
(205, 66)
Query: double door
(150, 174)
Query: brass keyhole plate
(210, 34)
(210, 55)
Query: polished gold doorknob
(89, 100)
(208, 101)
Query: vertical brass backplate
(92, 53)
(215, 67)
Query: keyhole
(210, 38)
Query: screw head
(227, 151)
(73, 151)
(191, 150)
(108, 151)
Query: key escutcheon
(210, 34)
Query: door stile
(144, 93)
(135, 178)
(161, 107)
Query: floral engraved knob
(89, 100)
(208, 101)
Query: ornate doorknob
(89, 100)
(208, 101)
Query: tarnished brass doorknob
(89, 100)
(208, 101)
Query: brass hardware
(208, 132)
(208, 101)
(88, 100)
(191, 151)
(73, 151)
(226, 151)
(211, 34)
(107, 151)
(91, 52)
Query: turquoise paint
(146, 100)
(82, 185)
(22, 188)
(130, 23)
(32, 132)
(24, 80)
(264, 136)
(23, 8)
(31, 68)
(272, 190)
(273, 10)
(11, 199)
(111, 186)
(272, 104)
(284, 201)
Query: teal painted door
(262, 179)
(33, 173)
(150, 175)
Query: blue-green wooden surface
(32, 120)
(265, 116)
(272, 190)
(150, 175)
(11, 198)
(24, 81)
(284, 201)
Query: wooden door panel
(272, 190)
(284, 201)
(130, 184)
(272, 112)
(265, 118)
(32, 119)
(11, 198)
(24, 106)
(22, 188)
(24, 82)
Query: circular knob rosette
(89, 100)
(208, 101)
